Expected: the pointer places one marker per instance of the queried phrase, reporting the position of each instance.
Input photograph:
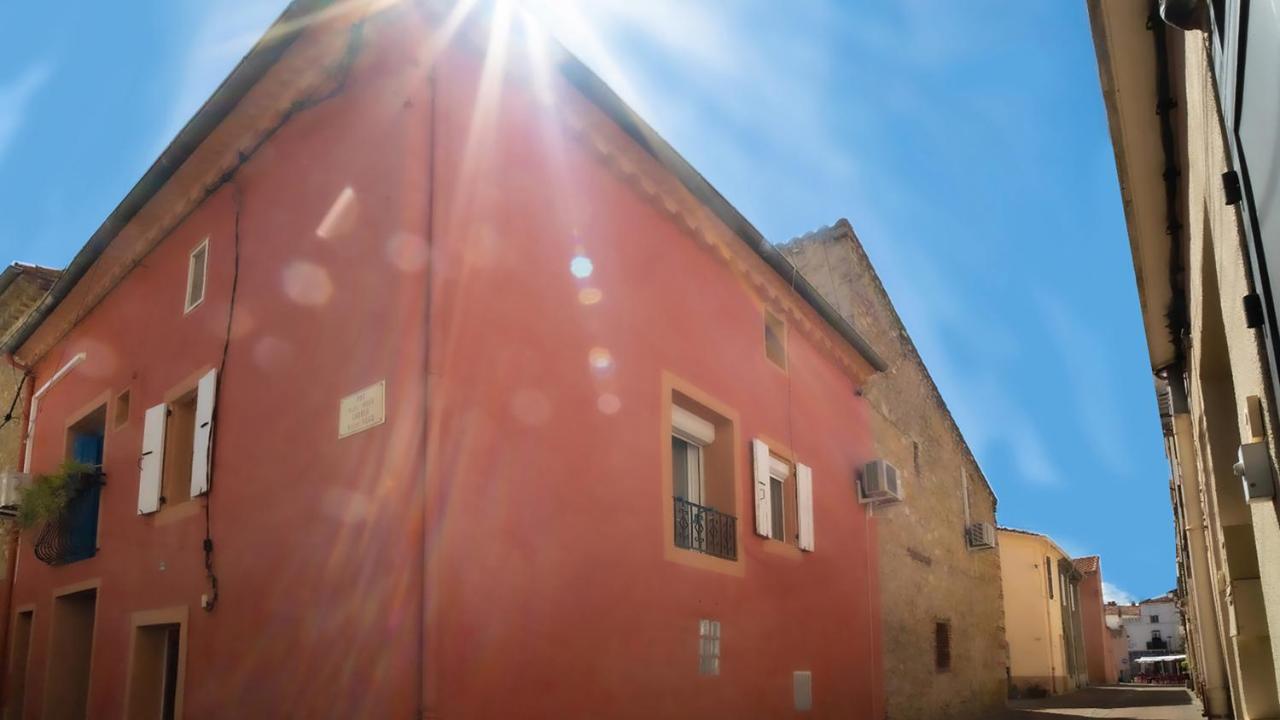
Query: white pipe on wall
(35, 406)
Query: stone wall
(927, 572)
(17, 297)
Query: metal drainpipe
(426, 675)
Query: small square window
(120, 417)
(197, 272)
(775, 339)
(1155, 618)
(708, 647)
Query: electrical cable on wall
(341, 73)
(17, 393)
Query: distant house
(1117, 642)
(1102, 667)
(1043, 614)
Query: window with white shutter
(152, 461)
(804, 505)
(201, 455)
(761, 487)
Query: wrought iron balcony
(1157, 644)
(705, 530)
(73, 535)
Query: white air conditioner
(981, 535)
(879, 483)
(10, 482)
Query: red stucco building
(1097, 639)
(425, 378)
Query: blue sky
(965, 142)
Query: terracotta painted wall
(1095, 630)
(548, 590)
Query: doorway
(70, 651)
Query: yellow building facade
(1041, 614)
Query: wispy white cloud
(1090, 385)
(227, 30)
(967, 352)
(714, 77)
(1111, 593)
(15, 101)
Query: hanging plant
(47, 495)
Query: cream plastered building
(1042, 614)
(1188, 100)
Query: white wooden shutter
(152, 460)
(200, 453)
(804, 505)
(760, 467)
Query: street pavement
(1120, 702)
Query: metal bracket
(1231, 187)
(1253, 316)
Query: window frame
(780, 471)
(775, 328)
(722, 473)
(695, 471)
(188, 305)
(709, 647)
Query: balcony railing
(73, 535)
(1158, 644)
(705, 530)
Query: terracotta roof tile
(1088, 564)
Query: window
(120, 417)
(708, 647)
(197, 272)
(1048, 576)
(775, 339)
(783, 498)
(179, 442)
(1155, 619)
(942, 646)
(779, 471)
(79, 539)
(702, 479)
(1155, 635)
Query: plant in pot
(47, 496)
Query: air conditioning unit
(10, 482)
(981, 535)
(879, 484)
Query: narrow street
(1124, 702)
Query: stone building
(1192, 112)
(940, 593)
(21, 288)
